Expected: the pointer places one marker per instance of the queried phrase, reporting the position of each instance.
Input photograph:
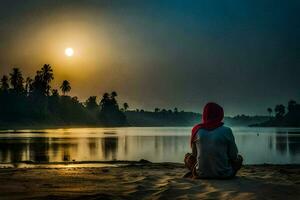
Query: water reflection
(109, 148)
(281, 142)
(294, 143)
(288, 142)
(38, 149)
(155, 144)
(10, 151)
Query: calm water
(167, 144)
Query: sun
(69, 52)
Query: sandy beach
(147, 181)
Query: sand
(147, 181)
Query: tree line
(33, 100)
(282, 115)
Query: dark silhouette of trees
(270, 111)
(109, 102)
(279, 111)
(114, 94)
(34, 101)
(105, 101)
(47, 77)
(105, 97)
(109, 110)
(65, 87)
(125, 106)
(4, 83)
(163, 110)
(291, 118)
(38, 91)
(165, 117)
(16, 80)
(114, 102)
(13, 101)
(5, 99)
(91, 103)
(38, 85)
(175, 110)
(75, 100)
(41, 84)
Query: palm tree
(270, 111)
(4, 83)
(91, 103)
(113, 100)
(114, 94)
(47, 77)
(16, 80)
(126, 106)
(65, 87)
(105, 101)
(280, 111)
(105, 95)
(175, 110)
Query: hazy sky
(244, 55)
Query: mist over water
(156, 144)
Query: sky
(243, 55)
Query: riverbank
(136, 119)
(143, 180)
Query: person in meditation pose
(214, 151)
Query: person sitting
(214, 151)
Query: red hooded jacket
(212, 117)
